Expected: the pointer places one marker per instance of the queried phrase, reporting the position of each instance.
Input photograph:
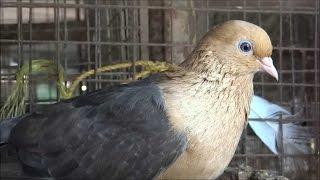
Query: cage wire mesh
(87, 34)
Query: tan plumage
(209, 99)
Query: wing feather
(118, 133)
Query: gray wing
(119, 133)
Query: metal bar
(281, 145)
(19, 35)
(304, 71)
(213, 9)
(207, 15)
(12, 76)
(288, 120)
(298, 71)
(281, 56)
(44, 29)
(260, 24)
(143, 29)
(128, 29)
(135, 39)
(172, 13)
(292, 58)
(65, 37)
(228, 10)
(131, 44)
(126, 32)
(88, 38)
(79, 48)
(95, 38)
(85, 63)
(31, 83)
(108, 33)
(123, 33)
(57, 37)
(285, 84)
(244, 3)
(294, 48)
(276, 155)
(316, 88)
(99, 40)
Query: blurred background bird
(179, 124)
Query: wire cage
(82, 35)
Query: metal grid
(84, 34)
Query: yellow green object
(15, 103)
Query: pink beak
(266, 64)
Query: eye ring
(245, 46)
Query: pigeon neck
(212, 68)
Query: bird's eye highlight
(245, 46)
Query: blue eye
(245, 46)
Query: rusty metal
(135, 44)
(306, 10)
(98, 35)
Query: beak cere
(266, 64)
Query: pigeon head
(234, 48)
